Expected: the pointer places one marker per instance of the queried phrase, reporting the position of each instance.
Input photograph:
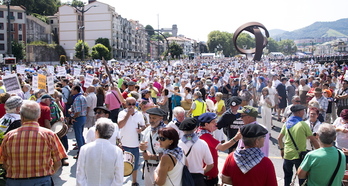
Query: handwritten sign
(41, 81)
(61, 71)
(77, 72)
(88, 80)
(11, 84)
(50, 84)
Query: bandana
(176, 152)
(202, 131)
(161, 125)
(189, 137)
(246, 159)
(293, 120)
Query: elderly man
(91, 99)
(108, 169)
(34, 165)
(199, 159)
(150, 146)
(45, 117)
(179, 116)
(296, 133)
(249, 115)
(240, 170)
(131, 123)
(342, 97)
(11, 120)
(231, 120)
(204, 132)
(318, 167)
(322, 100)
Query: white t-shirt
(128, 133)
(90, 136)
(341, 138)
(91, 103)
(199, 154)
(172, 125)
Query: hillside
(337, 28)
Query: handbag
(186, 177)
(186, 105)
(301, 154)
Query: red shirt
(2, 110)
(262, 174)
(45, 114)
(212, 143)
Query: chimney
(91, 1)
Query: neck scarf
(202, 131)
(176, 152)
(176, 122)
(292, 121)
(155, 129)
(246, 159)
(189, 137)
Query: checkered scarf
(248, 158)
(176, 152)
(189, 137)
(159, 126)
(202, 131)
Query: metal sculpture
(260, 40)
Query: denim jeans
(64, 141)
(44, 181)
(288, 166)
(78, 126)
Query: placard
(88, 80)
(35, 83)
(20, 69)
(77, 72)
(61, 71)
(11, 84)
(41, 81)
(50, 69)
(50, 84)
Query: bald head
(91, 89)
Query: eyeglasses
(161, 138)
(131, 104)
(297, 101)
(98, 113)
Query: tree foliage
(104, 41)
(62, 59)
(287, 47)
(220, 41)
(150, 31)
(77, 3)
(99, 51)
(175, 50)
(42, 7)
(18, 49)
(78, 49)
(272, 45)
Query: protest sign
(11, 83)
(50, 85)
(35, 83)
(41, 81)
(88, 80)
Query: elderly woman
(169, 170)
(219, 109)
(198, 105)
(100, 162)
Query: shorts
(135, 152)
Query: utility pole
(9, 42)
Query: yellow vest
(201, 108)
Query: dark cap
(188, 124)
(106, 110)
(235, 100)
(296, 108)
(207, 117)
(131, 83)
(145, 91)
(249, 110)
(253, 130)
(46, 96)
(344, 114)
(156, 111)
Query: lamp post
(82, 11)
(9, 42)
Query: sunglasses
(161, 138)
(131, 104)
(98, 113)
(242, 116)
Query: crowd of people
(175, 115)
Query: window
(1, 14)
(20, 15)
(1, 26)
(11, 14)
(51, 21)
(19, 27)
(2, 37)
(20, 37)
(12, 28)
(2, 46)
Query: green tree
(99, 51)
(42, 7)
(245, 41)
(18, 50)
(273, 45)
(78, 49)
(175, 50)
(103, 41)
(287, 47)
(220, 41)
(77, 3)
(150, 31)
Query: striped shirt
(342, 102)
(79, 105)
(30, 151)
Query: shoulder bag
(302, 154)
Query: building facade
(38, 30)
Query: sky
(196, 19)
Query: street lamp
(82, 11)
(9, 42)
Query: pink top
(112, 101)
